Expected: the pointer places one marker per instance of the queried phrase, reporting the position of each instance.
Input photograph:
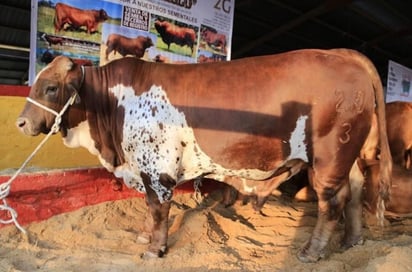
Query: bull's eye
(51, 90)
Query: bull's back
(73, 15)
(253, 84)
(63, 10)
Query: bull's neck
(75, 113)
(99, 109)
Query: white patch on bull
(79, 136)
(157, 140)
(297, 140)
(247, 188)
(130, 178)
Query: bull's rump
(243, 112)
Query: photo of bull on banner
(94, 33)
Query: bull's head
(148, 42)
(159, 26)
(53, 87)
(103, 15)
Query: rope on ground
(5, 187)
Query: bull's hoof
(153, 255)
(306, 257)
(351, 242)
(150, 255)
(259, 202)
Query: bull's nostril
(21, 122)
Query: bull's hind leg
(157, 219)
(353, 210)
(330, 206)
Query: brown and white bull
(158, 125)
(127, 46)
(76, 18)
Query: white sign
(398, 86)
(96, 32)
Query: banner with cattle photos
(398, 87)
(97, 32)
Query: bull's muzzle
(26, 127)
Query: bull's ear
(72, 90)
(68, 65)
(73, 79)
(62, 64)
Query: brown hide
(127, 46)
(76, 18)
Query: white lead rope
(5, 187)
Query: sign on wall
(97, 32)
(398, 86)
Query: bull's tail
(385, 160)
(385, 174)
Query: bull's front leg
(156, 225)
(145, 236)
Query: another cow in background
(127, 46)
(400, 202)
(76, 18)
(399, 124)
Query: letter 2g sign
(224, 5)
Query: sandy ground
(203, 236)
